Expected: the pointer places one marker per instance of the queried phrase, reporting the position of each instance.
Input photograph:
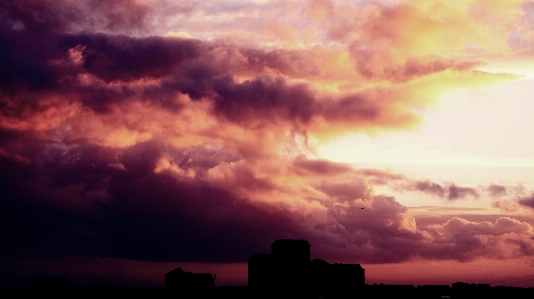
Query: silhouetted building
(346, 275)
(328, 278)
(293, 262)
(288, 269)
(285, 269)
(297, 252)
(263, 270)
(183, 283)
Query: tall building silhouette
(288, 269)
(179, 282)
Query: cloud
(515, 203)
(108, 212)
(93, 15)
(463, 240)
(496, 190)
(505, 205)
(450, 191)
(121, 58)
(75, 204)
(380, 177)
(456, 192)
(347, 192)
(248, 86)
(265, 98)
(527, 201)
(429, 187)
(119, 143)
(322, 167)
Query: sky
(140, 136)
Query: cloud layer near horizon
(148, 147)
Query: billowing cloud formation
(116, 142)
(466, 240)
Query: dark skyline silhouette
(286, 272)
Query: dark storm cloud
(29, 34)
(140, 159)
(121, 67)
(273, 99)
(185, 66)
(527, 201)
(41, 16)
(122, 58)
(185, 221)
(64, 199)
(33, 48)
(24, 58)
(86, 208)
(28, 212)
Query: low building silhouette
(286, 268)
(178, 282)
(335, 278)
